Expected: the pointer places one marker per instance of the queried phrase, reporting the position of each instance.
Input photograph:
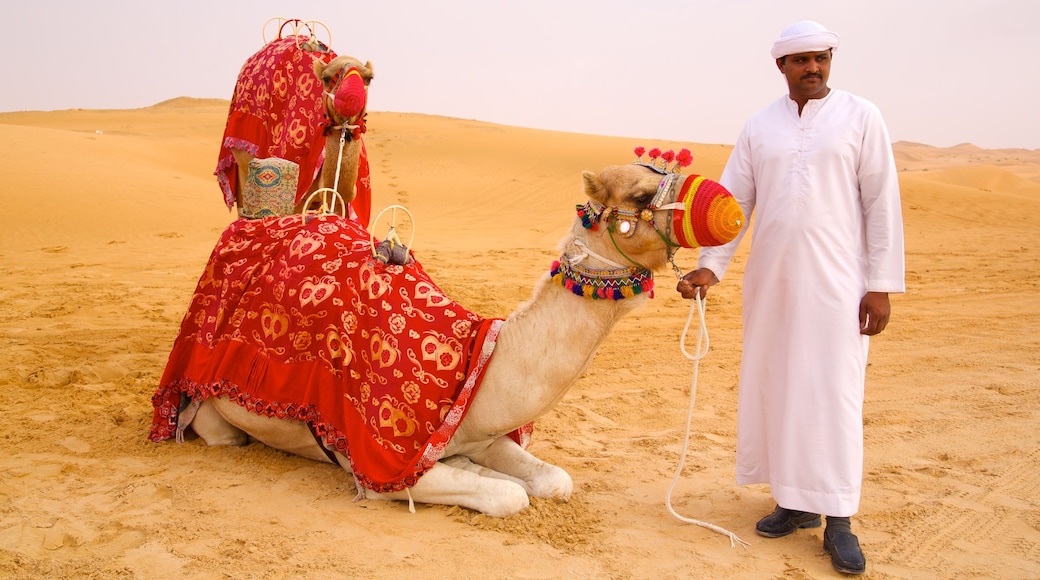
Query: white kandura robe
(827, 229)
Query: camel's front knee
(513, 500)
(448, 485)
(551, 482)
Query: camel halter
(698, 211)
(624, 221)
(348, 97)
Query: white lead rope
(339, 163)
(696, 305)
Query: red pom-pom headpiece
(682, 159)
(701, 211)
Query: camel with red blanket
(299, 338)
(296, 100)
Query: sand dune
(914, 157)
(985, 179)
(108, 218)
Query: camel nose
(710, 216)
(351, 96)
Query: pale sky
(943, 72)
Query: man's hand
(696, 282)
(874, 311)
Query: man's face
(806, 73)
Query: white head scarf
(804, 36)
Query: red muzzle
(351, 95)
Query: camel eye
(644, 199)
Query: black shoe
(784, 521)
(843, 546)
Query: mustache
(812, 75)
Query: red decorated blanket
(295, 319)
(276, 111)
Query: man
(817, 168)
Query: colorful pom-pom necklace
(612, 284)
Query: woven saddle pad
(270, 188)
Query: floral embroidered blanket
(295, 319)
(276, 111)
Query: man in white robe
(817, 170)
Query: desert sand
(108, 218)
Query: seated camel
(297, 337)
(297, 101)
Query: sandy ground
(107, 220)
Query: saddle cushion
(270, 188)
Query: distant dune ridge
(108, 218)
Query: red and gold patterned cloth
(297, 320)
(276, 111)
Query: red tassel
(684, 158)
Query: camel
(278, 109)
(620, 236)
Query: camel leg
(540, 479)
(463, 462)
(284, 434)
(213, 428)
(447, 485)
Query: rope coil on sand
(696, 306)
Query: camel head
(346, 88)
(648, 212)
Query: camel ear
(319, 67)
(594, 187)
(366, 72)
